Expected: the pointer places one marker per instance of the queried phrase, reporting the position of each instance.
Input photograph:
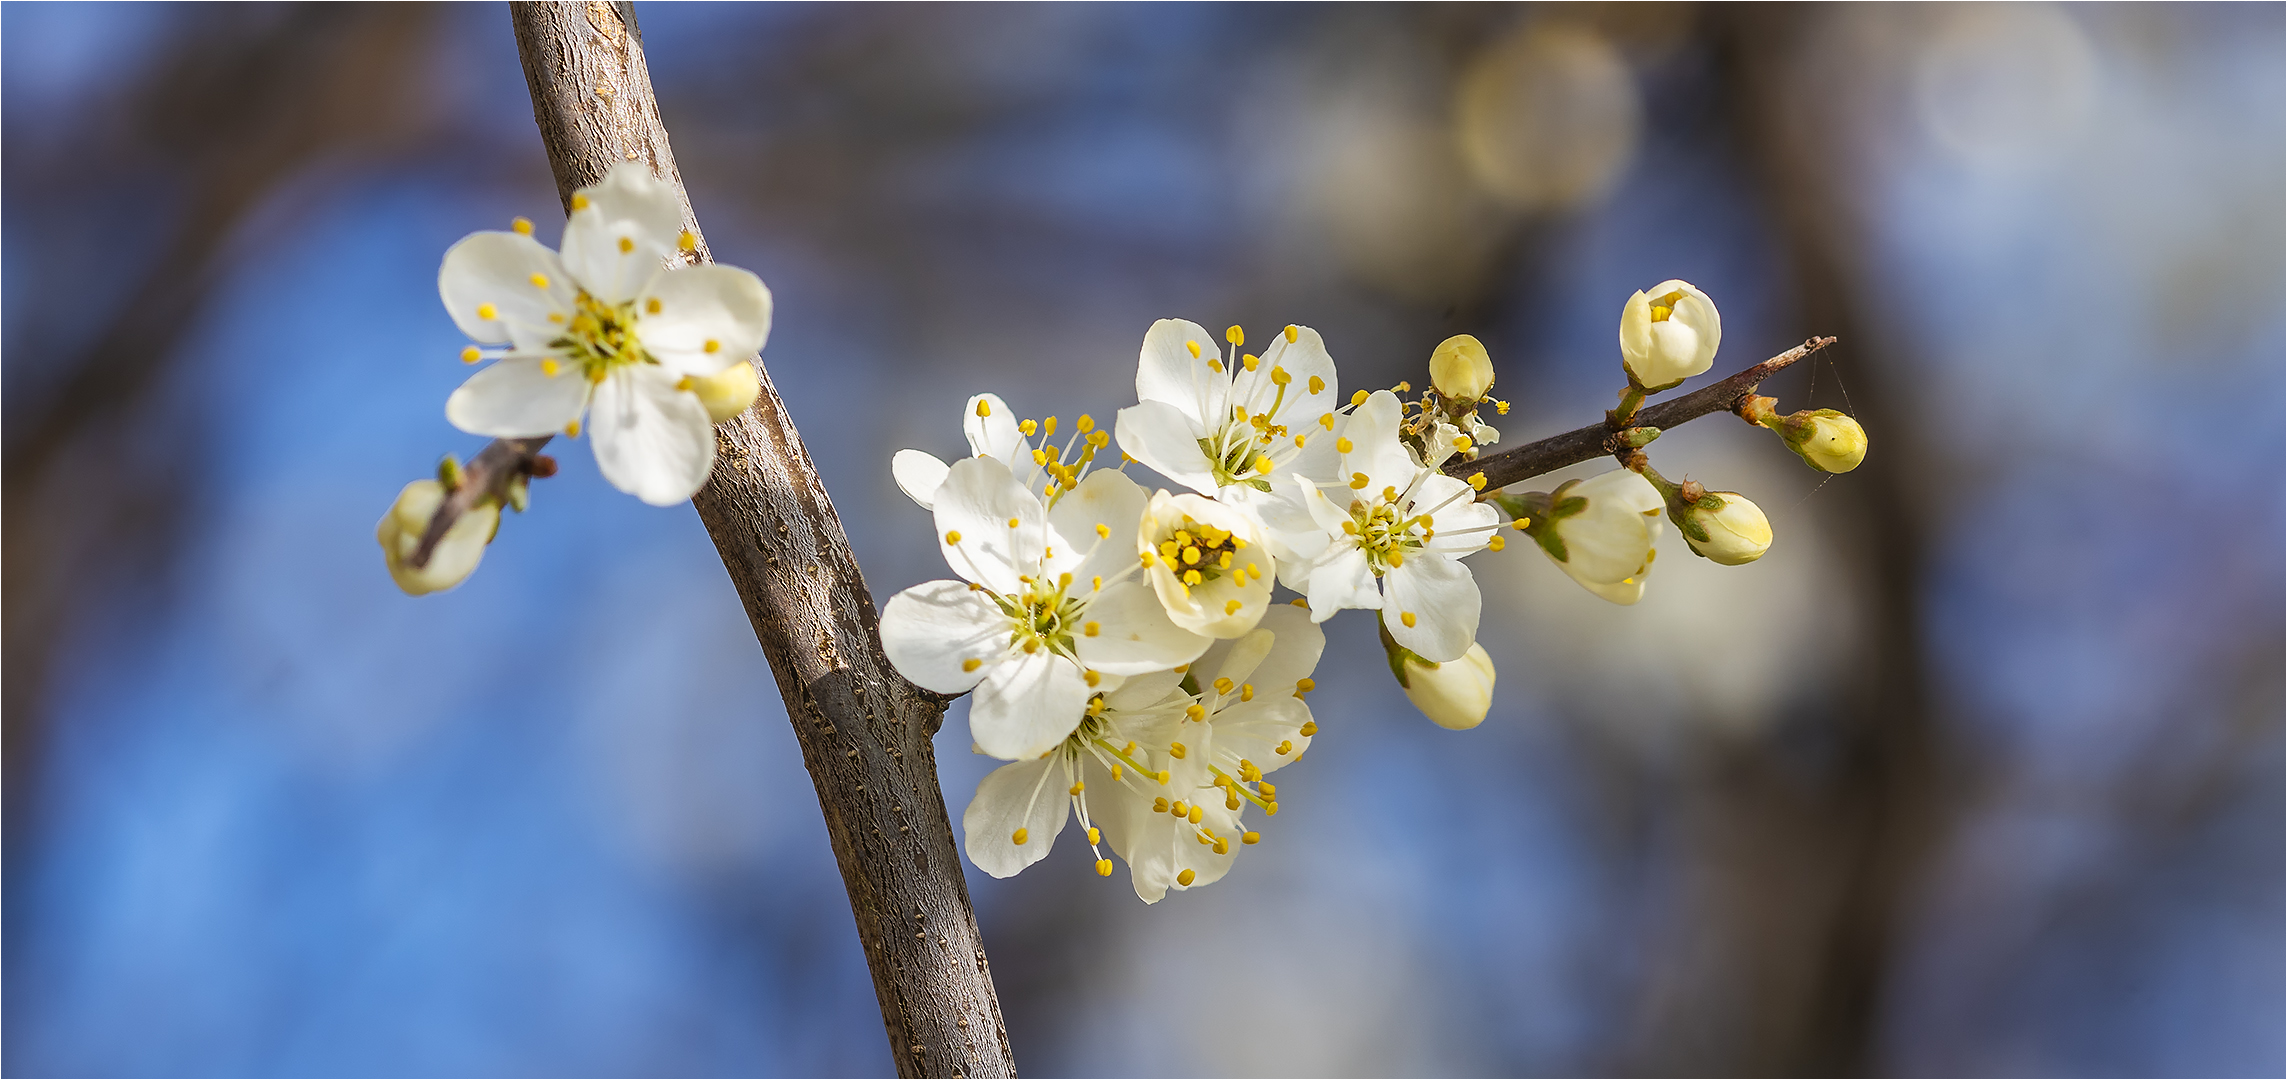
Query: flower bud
(1455, 695)
(728, 392)
(454, 557)
(1599, 531)
(1668, 334)
(1726, 528)
(1826, 440)
(1460, 368)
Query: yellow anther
(1231, 802)
(1359, 397)
(1521, 524)
(1402, 386)
(1238, 412)
(471, 355)
(1462, 442)
(1195, 814)
(1092, 677)
(1096, 583)
(1250, 837)
(1032, 646)
(1246, 691)
(1020, 836)
(1660, 312)
(1390, 493)
(1263, 464)
(549, 366)
(1196, 712)
(1091, 628)
(1497, 543)
(1477, 481)
(626, 245)
(539, 281)
(1223, 686)
(1231, 607)
(712, 346)
(487, 312)
(1235, 336)
(1358, 481)
(1271, 810)
(1103, 531)
(1048, 426)
(1040, 457)
(556, 317)
(1398, 558)
(1279, 377)
(522, 225)
(1224, 560)
(1298, 440)
(1304, 686)
(1317, 385)
(1027, 428)
(572, 430)
(1116, 770)
(1186, 877)
(579, 201)
(1178, 808)
(1079, 786)
(953, 536)
(1222, 847)
(1095, 835)
(984, 408)
(1344, 445)
(1255, 572)
(1181, 668)
(1326, 421)
(1103, 868)
(1194, 347)
(1147, 559)
(1407, 618)
(1190, 556)
(1159, 805)
(1251, 361)
(1267, 787)
(1012, 523)
(651, 306)
(1162, 777)
(1176, 751)
(1309, 728)
(1214, 365)
(687, 241)
(1285, 746)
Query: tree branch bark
(864, 731)
(1597, 440)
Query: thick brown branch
(487, 475)
(1597, 440)
(864, 731)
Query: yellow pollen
(1231, 607)
(1497, 543)
(1096, 583)
(1268, 787)
(1407, 618)
(1246, 691)
(1031, 646)
(1190, 555)
(1222, 847)
(1344, 445)
(626, 245)
(1251, 361)
(1255, 572)
(1358, 481)
(1091, 629)
(1162, 777)
(1147, 559)
(1020, 836)
(1279, 377)
(1263, 463)
(971, 664)
(1317, 385)
(1012, 523)
(1115, 771)
(1461, 442)
(1521, 524)
(1477, 481)
(1285, 746)
(1191, 577)
(1250, 837)
(1398, 558)
(1235, 336)
(712, 346)
(1298, 441)
(984, 408)
(687, 241)
(953, 536)
(487, 312)
(1048, 426)
(1194, 347)
(1214, 365)
(549, 367)
(471, 355)
(1185, 878)
(651, 306)
(1223, 686)
(522, 225)
(1103, 868)
(1271, 810)
(1103, 531)
(1176, 751)
(1027, 428)
(1309, 728)
(1326, 421)
(1304, 686)
(1359, 398)
(1195, 814)
(1087, 423)
(1223, 560)
(539, 281)
(1079, 786)
(1095, 835)
(572, 430)
(1092, 677)
(1661, 312)
(579, 201)
(1159, 805)
(1196, 711)
(1178, 808)
(1390, 493)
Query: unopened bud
(728, 392)
(1460, 368)
(1827, 440)
(1668, 334)
(1455, 695)
(455, 555)
(1725, 527)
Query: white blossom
(605, 331)
(1391, 537)
(1668, 334)
(1733, 532)
(1601, 533)
(994, 431)
(1050, 611)
(1208, 562)
(1460, 368)
(1456, 694)
(457, 552)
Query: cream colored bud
(1669, 334)
(1826, 440)
(1460, 368)
(1455, 695)
(728, 392)
(1736, 530)
(455, 556)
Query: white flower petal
(702, 305)
(1461, 523)
(976, 503)
(1297, 643)
(1172, 369)
(625, 233)
(1143, 691)
(918, 474)
(1254, 730)
(1303, 359)
(457, 553)
(1028, 795)
(518, 399)
(1374, 446)
(1093, 526)
(1158, 848)
(1444, 601)
(995, 435)
(1341, 578)
(1026, 705)
(1167, 441)
(496, 269)
(1134, 634)
(652, 441)
(931, 631)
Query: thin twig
(488, 474)
(1599, 439)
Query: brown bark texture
(864, 731)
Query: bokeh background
(1980, 772)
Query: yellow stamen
(1196, 712)
(1012, 523)
(1090, 629)
(1344, 446)
(549, 366)
(1326, 421)
(539, 281)
(1359, 398)
(1309, 728)
(487, 312)
(1223, 686)
(687, 242)
(1186, 877)
(1263, 463)
(1195, 814)
(1462, 442)
(1176, 751)
(1191, 577)
(1285, 747)
(1521, 524)
(1020, 836)
(1246, 691)
(1103, 868)
(471, 355)
(1235, 336)
(1497, 543)
(1079, 786)
(1358, 481)
(626, 245)
(1048, 426)
(1092, 677)
(1095, 835)
(984, 408)
(1317, 385)
(572, 430)
(1194, 347)
(651, 306)
(1250, 837)
(579, 201)
(1477, 481)
(953, 536)
(1103, 531)
(712, 346)
(1407, 618)
(1304, 686)
(1251, 361)
(522, 225)
(1231, 607)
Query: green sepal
(519, 493)
(449, 472)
